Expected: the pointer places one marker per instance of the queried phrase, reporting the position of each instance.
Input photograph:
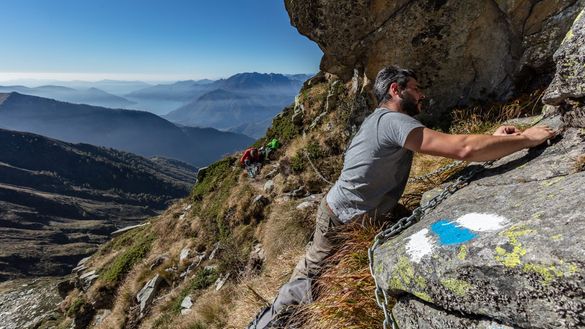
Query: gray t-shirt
(376, 166)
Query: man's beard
(408, 105)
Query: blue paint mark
(450, 233)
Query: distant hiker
(272, 146)
(250, 160)
(376, 168)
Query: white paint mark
(482, 222)
(419, 245)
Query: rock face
(567, 90)
(462, 50)
(506, 249)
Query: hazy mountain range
(59, 200)
(251, 99)
(138, 132)
(244, 102)
(91, 96)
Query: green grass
(283, 128)
(123, 264)
(75, 307)
(202, 279)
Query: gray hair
(388, 76)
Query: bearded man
(376, 168)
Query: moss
(512, 258)
(423, 296)
(124, 263)
(458, 287)
(548, 273)
(462, 252)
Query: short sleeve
(394, 127)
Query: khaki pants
(298, 289)
(321, 247)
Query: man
(376, 168)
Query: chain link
(441, 170)
(405, 222)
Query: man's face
(411, 97)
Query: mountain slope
(90, 96)
(139, 132)
(59, 200)
(243, 102)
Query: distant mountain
(245, 102)
(138, 132)
(90, 96)
(299, 77)
(59, 200)
(116, 87)
(164, 98)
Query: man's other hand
(538, 134)
(507, 131)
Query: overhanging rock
(508, 249)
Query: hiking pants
(298, 289)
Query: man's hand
(507, 131)
(538, 134)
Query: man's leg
(323, 243)
(298, 289)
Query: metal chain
(317, 171)
(441, 170)
(406, 222)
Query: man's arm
(474, 147)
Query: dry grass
(479, 120)
(345, 289)
(579, 164)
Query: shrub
(124, 263)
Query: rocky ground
(26, 302)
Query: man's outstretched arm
(475, 147)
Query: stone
(186, 305)
(212, 255)
(255, 259)
(507, 248)
(127, 228)
(148, 292)
(220, 282)
(569, 79)
(269, 186)
(184, 254)
(65, 287)
(101, 316)
(158, 261)
(462, 50)
(87, 279)
(306, 205)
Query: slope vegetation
(60, 200)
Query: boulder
(506, 249)
(569, 79)
(462, 50)
(87, 279)
(147, 293)
(269, 186)
(186, 305)
(184, 254)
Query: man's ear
(394, 89)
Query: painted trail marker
(446, 232)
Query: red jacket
(248, 155)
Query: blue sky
(150, 39)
